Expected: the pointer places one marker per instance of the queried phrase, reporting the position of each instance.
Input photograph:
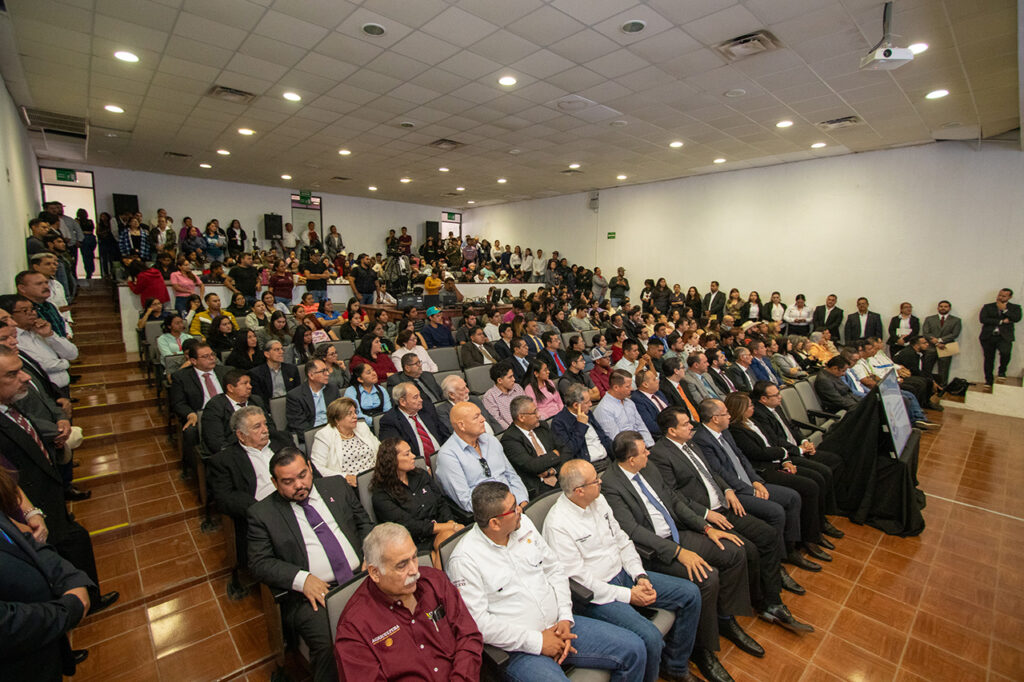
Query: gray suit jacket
(947, 333)
(697, 390)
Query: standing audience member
(997, 333)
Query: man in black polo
(363, 279)
(244, 279)
(317, 272)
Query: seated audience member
(631, 360)
(579, 431)
(477, 351)
(239, 474)
(259, 317)
(277, 329)
(518, 595)
(680, 543)
(216, 429)
(834, 393)
(538, 386)
(761, 366)
(873, 366)
(44, 597)
(369, 351)
(238, 307)
(38, 340)
(173, 337)
(465, 330)
(533, 343)
(246, 352)
(35, 287)
(413, 371)
(593, 550)
(193, 386)
(552, 354)
(433, 634)
(575, 374)
(408, 343)
(696, 382)
(435, 332)
(784, 362)
(580, 321)
(862, 324)
(414, 420)
(616, 412)
(913, 358)
(532, 449)
(717, 366)
(306, 404)
(498, 398)
(273, 377)
(351, 329)
(520, 358)
(503, 344)
(672, 387)
(346, 446)
(370, 397)
(202, 320)
(818, 347)
(332, 525)
(301, 348)
(493, 327)
(407, 494)
(221, 335)
(455, 391)
(337, 375)
(741, 373)
(648, 399)
(470, 456)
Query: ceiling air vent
(341, 178)
(177, 156)
(748, 45)
(839, 123)
(571, 171)
(446, 145)
(231, 95)
(452, 194)
(52, 122)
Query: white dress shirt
(595, 448)
(514, 591)
(59, 298)
(319, 564)
(260, 460)
(491, 331)
(426, 362)
(202, 384)
(592, 547)
(54, 354)
(660, 523)
(488, 358)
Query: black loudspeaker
(272, 226)
(126, 203)
(433, 229)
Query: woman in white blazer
(346, 446)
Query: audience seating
(797, 413)
(439, 375)
(376, 424)
(279, 412)
(446, 359)
(479, 379)
(565, 338)
(346, 349)
(365, 494)
(811, 403)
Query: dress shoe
(780, 614)
(709, 665)
(78, 656)
(800, 561)
(926, 425)
(831, 531)
(789, 584)
(75, 495)
(731, 630)
(104, 601)
(816, 552)
(936, 406)
(825, 542)
(669, 676)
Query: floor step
(92, 365)
(100, 403)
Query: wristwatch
(34, 511)
(642, 576)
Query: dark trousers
(809, 494)
(72, 542)
(764, 539)
(931, 361)
(725, 592)
(88, 249)
(991, 346)
(921, 388)
(825, 465)
(315, 630)
(782, 510)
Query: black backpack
(957, 386)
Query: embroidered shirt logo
(385, 636)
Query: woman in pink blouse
(542, 390)
(184, 282)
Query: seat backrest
(365, 495)
(565, 339)
(346, 349)
(376, 424)
(308, 436)
(538, 508)
(153, 331)
(172, 363)
(279, 412)
(807, 395)
(792, 404)
(224, 355)
(479, 379)
(338, 598)
(446, 359)
(440, 376)
(448, 546)
(421, 463)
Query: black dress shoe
(780, 615)
(709, 665)
(800, 561)
(825, 542)
(104, 601)
(75, 495)
(669, 676)
(817, 552)
(731, 630)
(789, 584)
(78, 656)
(828, 529)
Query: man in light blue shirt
(616, 412)
(471, 456)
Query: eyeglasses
(486, 466)
(510, 512)
(596, 481)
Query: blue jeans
(913, 407)
(615, 301)
(318, 295)
(365, 299)
(285, 301)
(181, 304)
(674, 594)
(598, 645)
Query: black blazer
(832, 321)
(263, 385)
(745, 313)
(990, 317)
(518, 371)
(39, 377)
(393, 424)
(833, 393)
(894, 325)
(548, 359)
(425, 379)
(232, 480)
(423, 504)
(37, 475)
(716, 376)
(501, 349)
(567, 429)
(524, 459)
(216, 420)
(718, 460)
(648, 410)
(186, 393)
(714, 304)
(276, 548)
(872, 327)
(299, 408)
(774, 431)
(740, 377)
(909, 358)
(631, 513)
(470, 355)
(682, 476)
(762, 457)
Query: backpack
(957, 386)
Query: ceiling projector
(886, 59)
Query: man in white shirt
(37, 339)
(514, 586)
(46, 264)
(595, 552)
(540, 264)
(288, 238)
(617, 413)
(491, 328)
(631, 361)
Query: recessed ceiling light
(918, 48)
(634, 26)
(443, 169)
(126, 56)
(783, 124)
(735, 92)
(372, 188)
(515, 152)
(224, 152)
(460, 189)
(205, 165)
(574, 166)
(406, 180)
(817, 145)
(620, 176)
(619, 123)
(675, 145)
(246, 131)
(470, 202)
(292, 96)
(507, 80)
(344, 152)
(502, 181)
(286, 177)
(372, 29)
(114, 109)
(719, 160)
(934, 94)
(110, 134)
(407, 124)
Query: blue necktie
(740, 471)
(711, 389)
(659, 506)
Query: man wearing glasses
(583, 533)
(471, 456)
(192, 386)
(516, 590)
(306, 405)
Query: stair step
(86, 408)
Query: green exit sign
(451, 216)
(66, 175)
(305, 196)
(611, 235)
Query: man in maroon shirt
(406, 621)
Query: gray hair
(815, 337)
(575, 394)
(446, 383)
(519, 405)
(240, 419)
(270, 342)
(379, 539)
(401, 390)
(570, 476)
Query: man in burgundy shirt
(406, 621)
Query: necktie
(728, 381)
(689, 406)
(785, 428)
(26, 426)
(769, 372)
(659, 506)
(711, 389)
(425, 442)
(536, 444)
(335, 554)
(211, 388)
(487, 356)
(558, 363)
(942, 321)
(658, 402)
(709, 481)
(734, 458)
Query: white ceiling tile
(397, 66)
(469, 65)
(207, 31)
(440, 80)
(306, 84)
(605, 92)
(542, 64)
(192, 50)
(682, 13)
(257, 68)
(693, 63)
(414, 93)
(775, 11)
(425, 48)
(412, 13)
(140, 12)
(240, 81)
(459, 26)
(612, 27)
(476, 92)
(617, 63)
(290, 30)
(346, 49)
(240, 14)
(353, 23)
(584, 46)
(728, 23)
(591, 12)
(272, 51)
(373, 81)
(52, 13)
(664, 46)
(133, 34)
(504, 47)
(336, 105)
(325, 67)
(187, 69)
(327, 13)
(541, 92)
(351, 93)
(166, 80)
(575, 79)
(768, 63)
(545, 26)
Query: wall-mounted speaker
(125, 203)
(594, 203)
(273, 228)
(433, 229)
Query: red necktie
(659, 402)
(428, 445)
(558, 363)
(26, 426)
(211, 388)
(942, 321)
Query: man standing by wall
(997, 320)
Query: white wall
(918, 224)
(363, 223)
(19, 189)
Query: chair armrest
(495, 661)
(822, 415)
(648, 612)
(804, 425)
(581, 596)
(646, 553)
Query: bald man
(471, 456)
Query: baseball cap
(433, 310)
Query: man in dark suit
(192, 386)
(477, 350)
(574, 426)
(828, 316)
(455, 391)
(275, 377)
(306, 405)
(411, 420)
(304, 538)
(552, 355)
(672, 539)
(997, 320)
(532, 449)
(714, 301)
(649, 399)
(503, 346)
(740, 372)
(717, 364)
(940, 330)
(913, 359)
(761, 366)
(520, 358)
(861, 324)
(832, 391)
(216, 429)
(672, 387)
(412, 370)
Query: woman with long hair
(185, 282)
(541, 389)
(752, 310)
(339, 376)
(276, 330)
(616, 336)
(785, 361)
(246, 352)
(301, 349)
(371, 400)
(327, 315)
(372, 352)
(734, 304)
(221, 336)
(346, 446)
(239, 306)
